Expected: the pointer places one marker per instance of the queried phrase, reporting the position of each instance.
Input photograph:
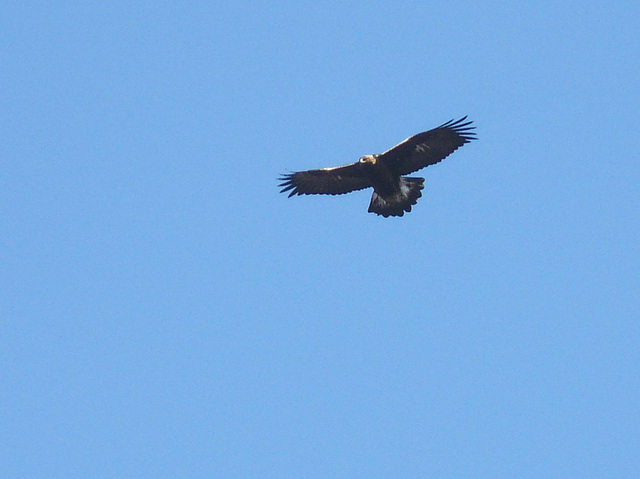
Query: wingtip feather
(288, 184)
(463, 128)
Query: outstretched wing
(326, 181)
(429, 147)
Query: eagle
(393, 193)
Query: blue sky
(166, 312)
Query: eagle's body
(393, 193)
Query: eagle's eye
(363, 160)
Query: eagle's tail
(397, 204)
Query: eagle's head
(368, 160)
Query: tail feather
(396, 205)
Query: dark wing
(326, 181)
(429, 147)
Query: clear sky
(165, 312)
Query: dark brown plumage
(393, 193)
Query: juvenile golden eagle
(393, 194)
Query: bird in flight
(393, 193)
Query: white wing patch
(404, 193)
(405, 188)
